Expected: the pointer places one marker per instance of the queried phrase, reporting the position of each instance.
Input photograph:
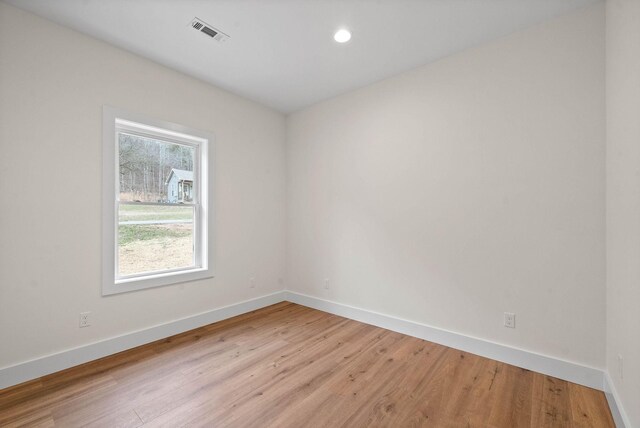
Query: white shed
(179, 186)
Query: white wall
(623, 201)
(463, 189)
(446, 195)
(54, 82)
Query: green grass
(155, 212)
(131, 233)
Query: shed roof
(181, 174)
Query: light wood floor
(291, 366)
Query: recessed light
(342, 36)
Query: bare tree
(145, 165)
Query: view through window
(155, 221)
(156, 211)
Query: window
(156, 212)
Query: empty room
(320, 213)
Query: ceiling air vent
(207, 29)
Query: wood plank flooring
(291, 366)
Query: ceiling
(281, 52)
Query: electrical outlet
(326, 283)
(252, 282)
(510, 320)
(85, 321)
(620, 372)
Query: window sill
(156, 280)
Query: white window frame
(115, 120)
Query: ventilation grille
(207, 29)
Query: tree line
(145, 165)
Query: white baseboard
(561, 369)
(617, 411)
(36, 368)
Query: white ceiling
(281, 52)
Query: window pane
(154, 170)
(154, 238)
